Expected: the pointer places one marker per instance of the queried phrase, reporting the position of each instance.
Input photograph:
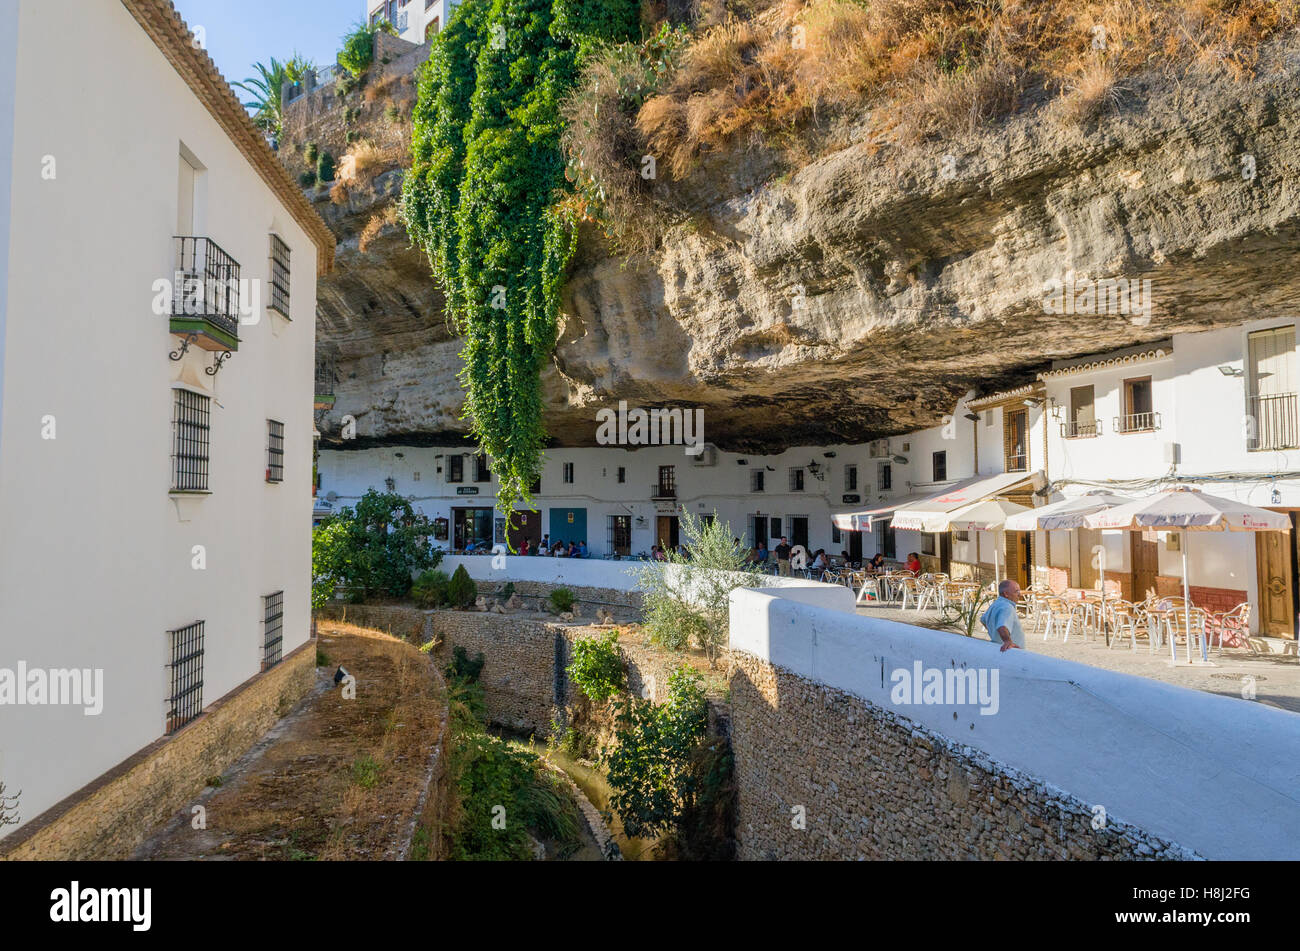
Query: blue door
(569, 525)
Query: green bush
(687, 599)
(358, 50)
(649, 765)
(325, 167)
(311, 152)
(597, 667)
(307, 179)
(392, 113)
(462, 592)
(371, 550)
(352, 135)
(430, 589)
(508, 591)
(562, 600)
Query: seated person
(876, 564)
(914, 562)
(582, 549)
(523, 549)
(559, 551)
(760, 554)
(819, 562)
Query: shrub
(311, 152)
(307, 179)
(352, 135)
(462, 592)
(365, 772)
(371, 550)
(649, 764)
(561, 600)
(325, 167)
(597, 667)
(393, 113)
(687, 599)
(430, 589)
(508, 591)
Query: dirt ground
(336, 778)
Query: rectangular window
(185, 675)
(667, 482)
(927, 543)
(455, 468)
(1139, 415)
(1015, 440)
(850, 478)
(796, 480)
(775, 525)
(190, 426)
(619, 539)
(1271, 390)
(939, 466)
(835, 534)
(961, 536)
(889, 543)
(886, 476)
(622, 475)
(274, 451)
(988, 419)
(536, 487)
(1083, 414)
(568, 473)
(756, 477)
(482, 473)
(279, 277)
(799, 530)
(272, 629)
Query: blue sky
(243, 32)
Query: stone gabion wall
(865, 783)
(110, 817)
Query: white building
(417, 21)
(155, 433)
(1217, 410)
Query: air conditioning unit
(707, 456)
(878, 449)
(1173, 454)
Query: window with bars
(279, 277)
(190, 426)
(455, 468)
(185, 675)
(482, 472)
(272, 629)
(756, 479)
(796, 480)
(568, 473)
(274, 451)
(939, 466)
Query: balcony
(1077, 429)
(1016, 462)
(324, 385)
(658, 492)
(205, 295)
(1137, 423)
(1276, 423)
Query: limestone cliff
(862, 294)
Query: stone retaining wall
(109, 817)
(822, 774)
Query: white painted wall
(95, 564)
(418, 14)
(1176, 762)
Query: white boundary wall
(1215, 774)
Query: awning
(859, 520)
(931, 514)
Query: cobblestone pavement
(1277, 677)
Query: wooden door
(1017, 555)
(1145, 559)
(1273, 560)
(524, 525)
(945, 552)
(666, 531)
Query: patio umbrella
(1184, 510)
(1069, 514)
(987, 516)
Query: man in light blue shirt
(1001, 620)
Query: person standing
(783, 557)
(545, 547)
(1001, 620)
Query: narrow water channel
(596, 788)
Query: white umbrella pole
(1187, 602)
(996, 569)
(1101, 621)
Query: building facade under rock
(1215, 410)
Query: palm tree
(265, 88)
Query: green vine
(485, 200)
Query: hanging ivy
(485, 200)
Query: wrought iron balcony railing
(663, 491)
(1275, 421)
(1075, 429)
(1137, 423)
(205, 295)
